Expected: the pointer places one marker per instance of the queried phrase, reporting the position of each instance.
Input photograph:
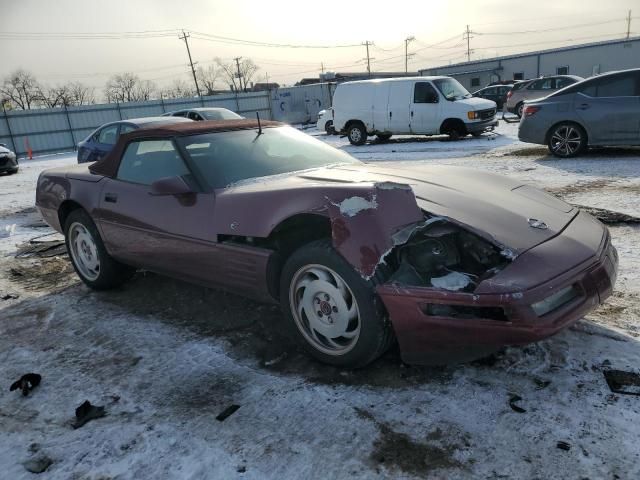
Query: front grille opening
(464, 312)
(555, 301)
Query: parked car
(200, 114)
(102, 140)
(8, 160)
(325, 121)
(496, 93)
(453, 262)
(602, 110)
(409, 105)
(537, 88)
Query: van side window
(423, 92)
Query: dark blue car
(102, 140)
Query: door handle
(110, 197)
(411, 113)
(390, 114)
(584, 106)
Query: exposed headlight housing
(558, 299)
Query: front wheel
(567, 140)
(90, 259)
(331, 309)
(357, 134)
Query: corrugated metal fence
(60, 129)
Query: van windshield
(451, 89)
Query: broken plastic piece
(620, 381)
(453, 281)
(26, 383)
(87, 412)
(227, 412)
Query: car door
(425, 112)
(610, 108)
(400, 94)
(170, 234)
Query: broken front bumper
(482, 126)
(492, 320)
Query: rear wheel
(331, 309)
(328, 128)
(520, 109)
(567, 140)
(92, 263)
(356, 133)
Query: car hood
(477, 103)
(4, 150)
(514, 216)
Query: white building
(583, 60)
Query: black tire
(328, 128)
(375, 333)
(383, 137)
(110, 273)
(566, 140)
(519, 109)
(356, 133)
(476, 134)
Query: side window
(146, 161)
(195, 116)
(518, 76)
(126, 128)
(180, 114)
(564, 70)
(618, 86)
(423, 92)
(490, 91)
(563, 82)
(475, 82)
(108, 135)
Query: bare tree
(20, 89)
(80, 94)
(208, 78)
(52, 97)
(178, 89)
(121, 88)
(144, 90)
(230, 73)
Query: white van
(407, 106)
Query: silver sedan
(599, 111)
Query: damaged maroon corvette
(453, 263)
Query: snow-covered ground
(165, 358)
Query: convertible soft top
(108, 166)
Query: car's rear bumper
(483, 126)
(531, 130)
(428, 339)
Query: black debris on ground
(227, 412)
(87, 412)
(10, 296)
(609, 216)
(38, 465)
(540, 383)
(620, 381)
(512, 403)
(26, 383)
(44, 249)
(562, 445)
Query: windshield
(224, 158)
(222, 114)
(451, 89)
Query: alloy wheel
(84, 251)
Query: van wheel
(357, 134)
(328, 128)
(383, 137)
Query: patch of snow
(453, 281)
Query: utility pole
(239, 75)
(467, 35)
(628, 24)
(193, 70)
(366, 44)
(406, 55)
(322, 67)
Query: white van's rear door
(380, 113)
(398, 107)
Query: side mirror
(170, 186)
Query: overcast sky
(533, 25)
